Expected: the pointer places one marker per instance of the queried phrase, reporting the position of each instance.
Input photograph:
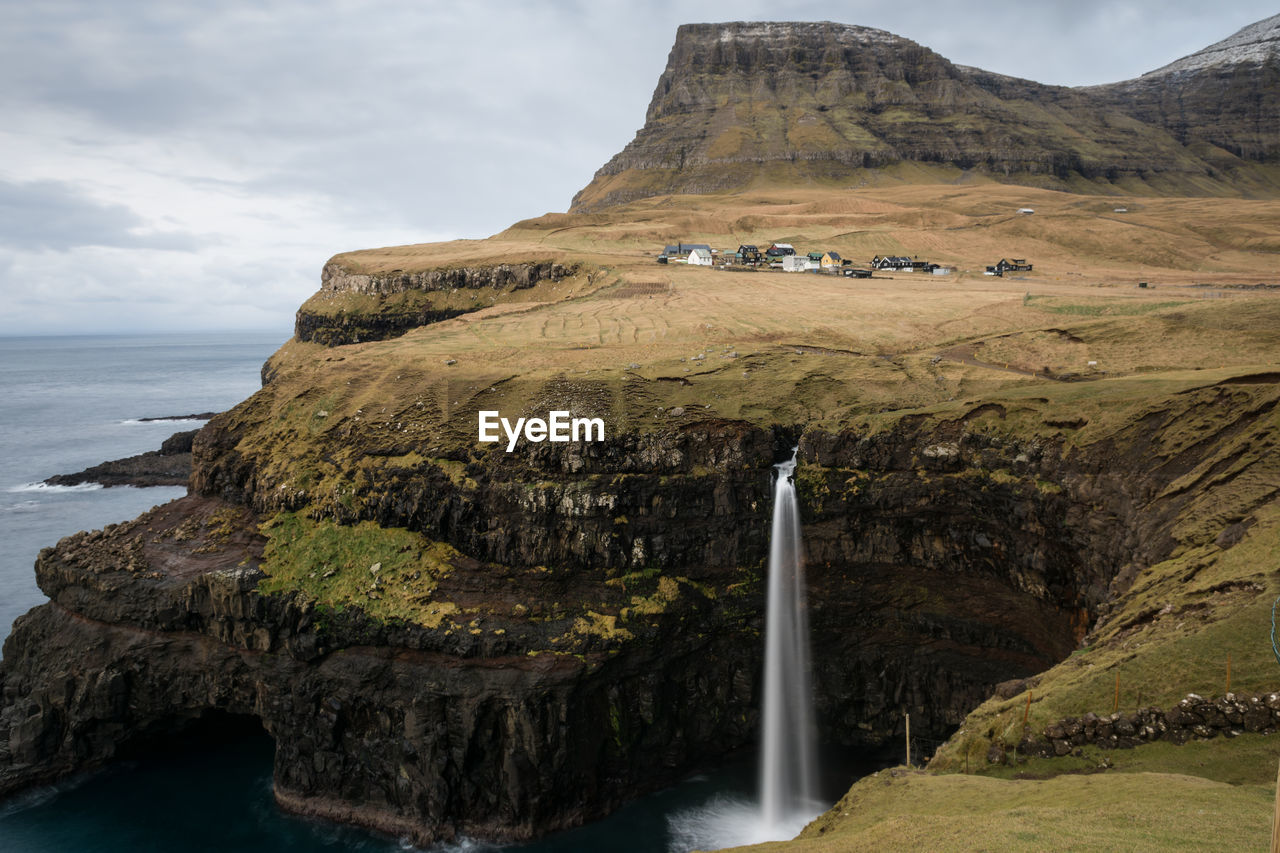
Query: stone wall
(1195, 717)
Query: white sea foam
(136, 421)
(728, 821)
(462, 845)
(47, 487)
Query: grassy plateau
(1075, 350)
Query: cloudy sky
(178, 166)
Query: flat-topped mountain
(743, 104)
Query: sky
(190, 166)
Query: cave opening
(194, 738)
(189, 781)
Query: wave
(46, 487)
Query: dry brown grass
(842, 353)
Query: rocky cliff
(354, 306)
(501, 646)
(1226, 96)
(743, 103)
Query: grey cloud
(54, 215)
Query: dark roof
(684, 248)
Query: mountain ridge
(742, 102)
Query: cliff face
(596, 632)
(1226, 96)
(394, 302)
(776, 102)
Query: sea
(70, 402)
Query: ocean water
(70, 402)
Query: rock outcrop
(168, 466)
(407, 300)
(745, 102)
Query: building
(827, 260)
(680, 251)
(892, 262)
(798, 263)
(779, 250)
(1026, 210)
(700, 257)
(747, 254)
(857, 273)
(1009, 265)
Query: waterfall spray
(788, 766)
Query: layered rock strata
(598, 632)
(740, 103)
(328, 318)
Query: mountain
(1227, 95)
(741, 103)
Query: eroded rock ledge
(398, 301)
(335, 278)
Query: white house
(798, 263)
(701, 257)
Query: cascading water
(788, 765)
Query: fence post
(908, 716)
(1275, 819)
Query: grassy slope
(1149, 811)
(772, 347)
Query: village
(783, 256)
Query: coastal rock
(168, 466)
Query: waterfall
(788, 765)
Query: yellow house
(830, 259)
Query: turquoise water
(67, 403)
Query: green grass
(1170, 636)
(390, 573)
(1100, 307)
(1248, 759)
(1140, 811)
